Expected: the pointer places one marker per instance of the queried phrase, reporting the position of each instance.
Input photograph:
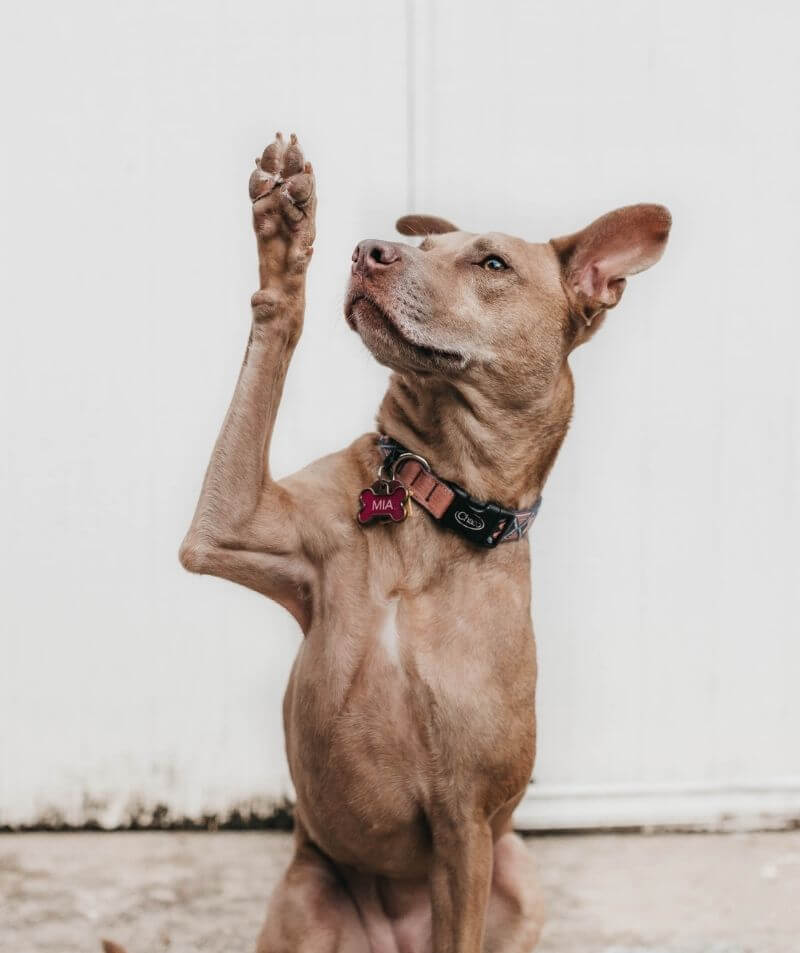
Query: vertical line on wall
(411, 107)
(421, 66)
(430, 97)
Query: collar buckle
(482, 523)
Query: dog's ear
(423, 225)
(596, 261)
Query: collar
(484, 524)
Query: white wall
(666, 575)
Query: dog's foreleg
(245, 527)
(461, 876)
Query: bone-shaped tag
(384, 500)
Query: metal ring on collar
(408, 456)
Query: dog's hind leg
(311, 910)
(246, 527)
(516, 912)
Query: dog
(409, 714)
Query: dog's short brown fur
(409, 715)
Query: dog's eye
(494, 263)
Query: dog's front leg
(245, 527)
(461, 876)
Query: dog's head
(468, 306)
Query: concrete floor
(702, 893)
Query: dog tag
(385, 500)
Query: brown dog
(409, 716)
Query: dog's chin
(390, 346)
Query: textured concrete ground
(186, 893)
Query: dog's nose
(371, 256)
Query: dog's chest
(388, 634)
(404, 690)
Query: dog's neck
(496, 448)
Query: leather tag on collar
(425, 487)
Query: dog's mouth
(371, 321)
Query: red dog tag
(384, 500)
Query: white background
(666, 574)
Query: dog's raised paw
(282, 191)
